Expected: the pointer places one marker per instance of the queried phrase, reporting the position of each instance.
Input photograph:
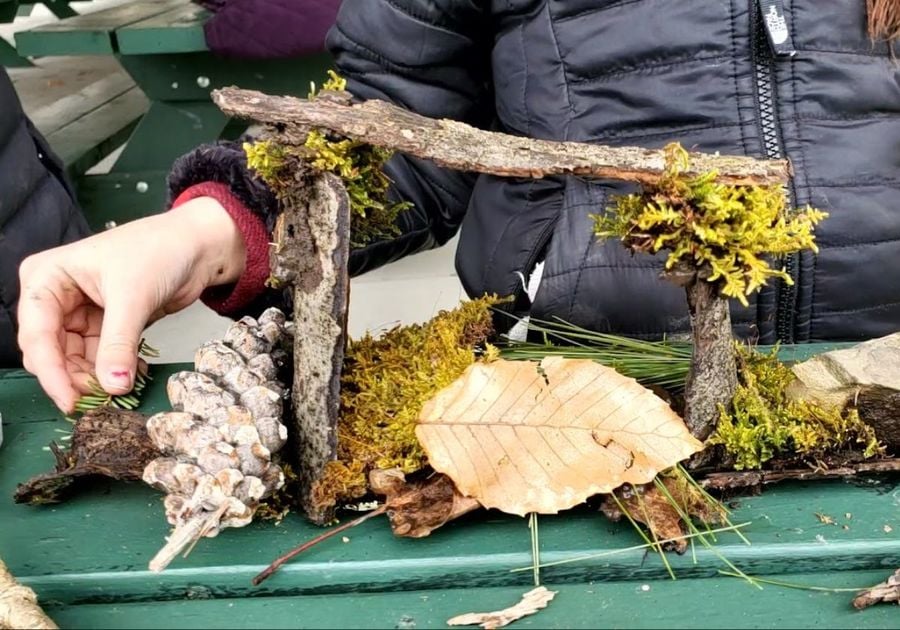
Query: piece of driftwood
(736, 480)
(462, 147)
(866, 376)
(18, 605)
(106, 442)
(310, 253)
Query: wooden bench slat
(87, 140)
(706, 603)
(71, 107)
(90, 34)
(95, 547)
(177, 31)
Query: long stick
(272, 568)
(18, 605)
(462, 147)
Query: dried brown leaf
(531, 602)
(648, 505)
(526, 437)
(886, 592)
(416, 509)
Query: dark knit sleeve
(224, 163)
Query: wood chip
(531, 602)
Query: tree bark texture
(105, 442)
(311, 250)
(462, 147)
(737, 480)
(712, 379)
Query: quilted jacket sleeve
(432, 57)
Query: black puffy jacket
(645, 72)
(37, 208)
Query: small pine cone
(170, 475)
(250, 490)
(262, 402)
(240, 435)
(272, 315)
(215, 359)
(272, 433)
(263, 366)
(216, 457)
(238, 514)
(240, 379)
(197, 394)
(245, 340)
(272, 478)
(254, 459)
(222, 434)
(164, 428)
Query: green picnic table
(87, 558)
(10, 9)
(162, 46)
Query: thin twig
(272, 568)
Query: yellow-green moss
(726, 230)
(386, 382)
(360, 166)
(762, 423)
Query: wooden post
(310, 253)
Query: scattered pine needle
(535, 547)
(614, 552)
(794, 585)
(662, 363)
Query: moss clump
(762, 423)
(384, 385)
(360, 166)
(723, 230)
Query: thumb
(123, 324)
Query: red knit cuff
(229, 299)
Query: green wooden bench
(10, 9)
(87, 558)
(86, 126)
(162, 46)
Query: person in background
(38, 209)
(268, 29)
(813, 81)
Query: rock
(866, 376)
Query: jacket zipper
(764, 75)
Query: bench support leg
(60, 8)
(10, 58)
(167, 131)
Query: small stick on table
(272, 568)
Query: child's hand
(84, 306)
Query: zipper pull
(777, 29)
